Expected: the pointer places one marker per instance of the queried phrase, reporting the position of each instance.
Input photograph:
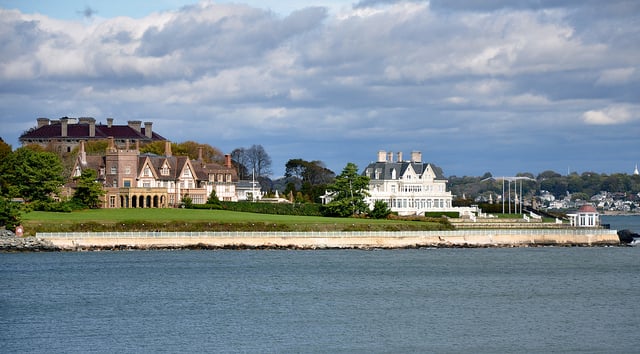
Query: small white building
(409, 187)
(587, 216)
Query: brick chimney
(400, 156)
(227, 161)
(390, 156)
(148, 132)
(82, 153)
(167, 148)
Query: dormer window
(165, 170)
(147, 171)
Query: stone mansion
(134, 180)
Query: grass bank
(113, 220)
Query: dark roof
(81, 131)
(401, 168)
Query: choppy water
(396, 301)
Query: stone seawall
(328, 240)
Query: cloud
(611, 115)
(434, 76)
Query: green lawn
(204, 220)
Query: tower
(636, 172)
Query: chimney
(64, 128)
(227, 160)
(167, 148)
(82, 154)
(400, 156)
(112, 145)
(200, 153)
(109, 122)
(416, 156)
(135, 125)
(390, 156)
(42, 122)
(147, 130)
(382, 156)
(92, 127)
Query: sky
(499, 86)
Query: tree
(259, 160)
(240, 160)
(5, 149)
(10, 214)
(31, 175)
(252, 161)
(349, 192)
(380, 210)
(213, 200)
(88, 190)
(311, 177)
(187, 148)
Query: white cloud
(615, 76)
(611, 115)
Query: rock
(10, 243)
(626, 236)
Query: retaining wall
(313, 240)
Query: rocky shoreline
(9, 242)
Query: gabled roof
(386, 169)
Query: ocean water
(622, 222)
(526, 300)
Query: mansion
(134, 180)
(64, 134)
(409, 187)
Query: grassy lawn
(205, 220)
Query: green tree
(350, 190)
(88, 190)
(10, 214)
(32, 175)
(380, 210)
(213, 200)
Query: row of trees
(583, 185)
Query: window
(112, 201)
(115, 183)
(220, 178)
(147, 171)
(114, 170)
(127, 170)
(127, 183)
(164, 171)
(187, 172)
(146, 184)
(229, 177)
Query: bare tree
(260, 161)
(253, 160)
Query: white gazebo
(587, 216)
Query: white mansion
(408, 187)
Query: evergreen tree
(350, 190)
(88, 190)
(10, 214)
(32, 175)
